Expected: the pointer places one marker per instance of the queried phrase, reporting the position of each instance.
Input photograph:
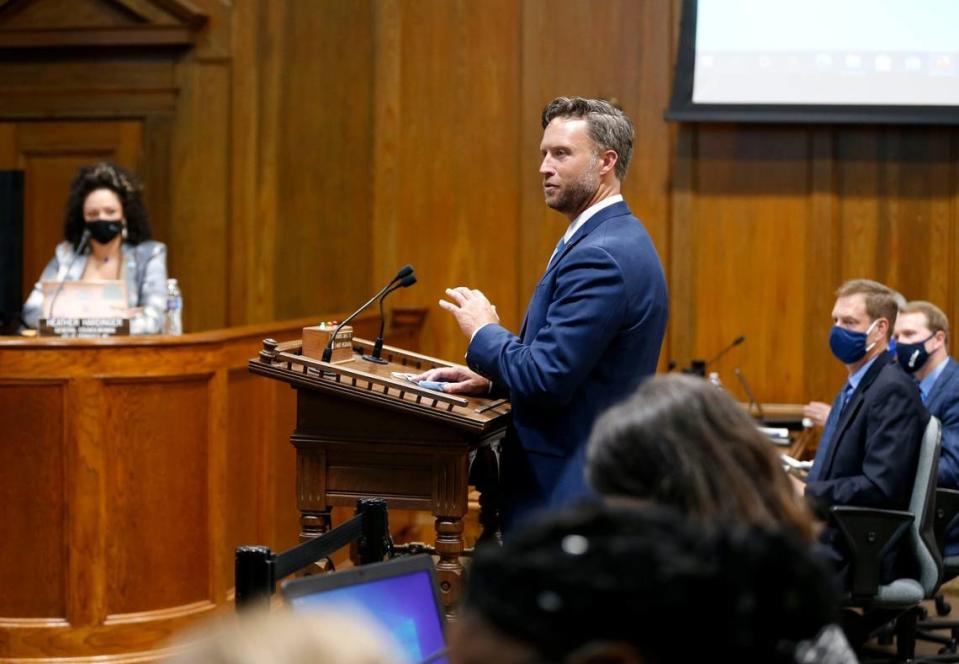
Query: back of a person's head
(641, 576)
(284, 637)
(682, 442)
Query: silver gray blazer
(145, 274)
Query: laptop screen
(400, 595)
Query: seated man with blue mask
(922, 332)
(869, 450)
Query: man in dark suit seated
(922, 335)
(869, 449)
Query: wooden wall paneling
(155, 171)
(86, 490)
(322, 242)
(858, 165)
(221, 553)
(682, 326)
(32, 459)
(823, 373)
(198, 192)
(163, 559)
(749, 226)
(647, 184)
(917, 191)
(450, 205)
(247, 519)
(257, 73)
(286, 513)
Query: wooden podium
(361, 432)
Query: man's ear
(609, 159)
(605, 652)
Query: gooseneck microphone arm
(84, 241)
(405, 282)
(738, 340)
(406, 271)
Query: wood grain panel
(198, 205)
(751, 195)
(323, 239)
(32, 459)
(445, 165)
(162, 561)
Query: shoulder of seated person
(150, 248)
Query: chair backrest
(922, 505)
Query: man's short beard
(574, 197)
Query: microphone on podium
(84, 241)
(698, 366)
(738, 340)
(405, 275)
(405, 282)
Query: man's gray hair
(609, 128)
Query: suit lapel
(614, 210)
(939, 387)
(855, 403)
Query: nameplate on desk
(84, 328)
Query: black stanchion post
(253, 576)
(375, 543)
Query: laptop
(399, 594)
(85, 299)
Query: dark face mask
(103, 231)
(912, 356)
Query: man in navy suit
(922, 335)
(594, 326)
(869, 449)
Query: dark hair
(604, 573)
(609, 127)
(683, 442)
(106, 175)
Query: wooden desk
(130, 469)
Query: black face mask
(104, 231)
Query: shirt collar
(925, 385)
(856, 378)
(588, 213)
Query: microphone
(738, 340)
(84, 241)
(405, 282)
(405, 272)
(749, 393)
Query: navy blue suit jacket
(943, 402)
(593, 331)
(873, 452)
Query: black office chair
(947, 508)
(870, 533)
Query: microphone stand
(328, 350)
(84, 240)
(374, 357)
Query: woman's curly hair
(106, 175)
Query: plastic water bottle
(714, 379)
(173, 322)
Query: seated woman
(622, 584)
(105, 214)
(682, 442)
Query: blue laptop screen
(403, 605)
